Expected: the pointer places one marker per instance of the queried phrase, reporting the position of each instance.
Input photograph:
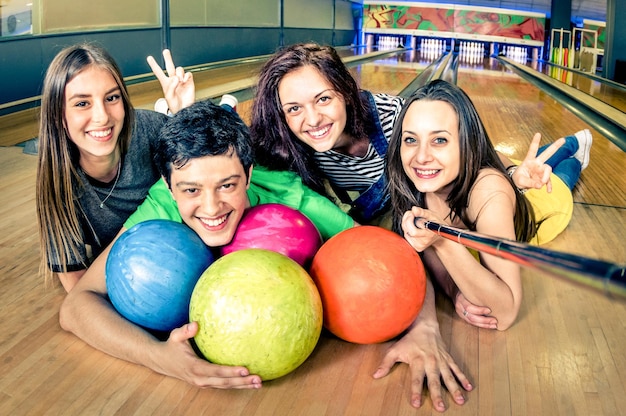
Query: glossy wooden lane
(608, 92)
(513, 110)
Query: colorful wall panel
(599, 28)
(457, 21)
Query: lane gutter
(607, 120)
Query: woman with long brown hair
(443, 167)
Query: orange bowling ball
(372, 284)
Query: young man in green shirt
(208, 179)
(205, 157)
(264, 187)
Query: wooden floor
(566, 355)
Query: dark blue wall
(23, 61)
(326, 37)
(615, 49)
(201, 45)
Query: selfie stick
(607, 277)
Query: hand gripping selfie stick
(607, 277)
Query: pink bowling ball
(278, 228)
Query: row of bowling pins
(389, 42)
(471, 52)
(432, 48)
(516, 53)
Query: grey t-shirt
(137, 175)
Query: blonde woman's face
(314, 111)
(430, 147)
(94, 112)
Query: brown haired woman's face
(315, 112)
(429, 148)
(94, 112)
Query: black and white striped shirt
(353, 173)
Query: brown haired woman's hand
(533, 172)
(474, 314)
(419, 238)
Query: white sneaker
(161, 106)
(584, 147)
(229, 100)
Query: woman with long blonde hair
(94, 159)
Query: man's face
(211, 195)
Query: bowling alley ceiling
(581, 9)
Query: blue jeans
(563, 164)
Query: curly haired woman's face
(315, 112)
(94, 112)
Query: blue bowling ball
(151, 271)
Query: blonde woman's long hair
(58, 182)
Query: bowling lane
(609, 92)
(512, 110)
(391, 74)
